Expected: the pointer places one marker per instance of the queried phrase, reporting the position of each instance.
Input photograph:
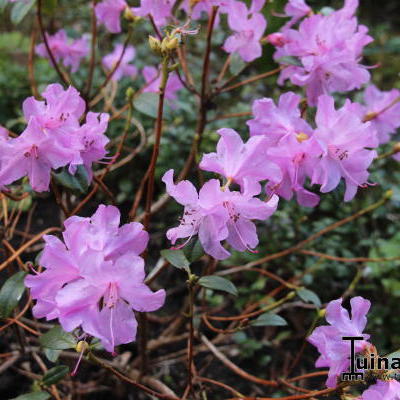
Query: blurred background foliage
(375, 234)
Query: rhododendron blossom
(160, 10)
(382, 390)
(218, 214)
(329, 48)
(328, 339)
(383, 110)
(69, 51)
(109, 12)
(244, 163)
(289, 144)
(346, 142)
(95, 279)
(296, 9)
(53, 138)
(124, 58)
(152, 77)
(249, 26)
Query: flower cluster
(334, 351)
(218, 213)
(95, 279)
(69, 51)
(339, 146)
(328, 339)
(53, 138)
(328, 49)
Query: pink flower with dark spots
(346, 142)
(95, 279)
(242, 163)
(217, 214)
(334, 352)
(328, 49)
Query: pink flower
(380, 108)
(296, 9)
(249, 27)
(93, 141)
(153, 78)
(96, 278)
(290, 145)
(53, 138)
(329, 49)
(242, 163)
(124, 68)
(195, 9)
(160, 10)
(34, 153)
(70, 52)
(382, 390)
(109, 12)
(334, 351)
(217, 214)
(345, 141)
(276, 122)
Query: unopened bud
(154, 44)
(130, 93)
(277, 39)
(172, 44)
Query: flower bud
(276, 39)
(154, 44)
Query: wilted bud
(154, 44)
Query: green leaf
(147, 103)
(236, 64)
(57, 339)
(193, 250)
(309, 296)
(54, 375)
(269, 319)
(177, 258)
(33, 396)
(20, 10)
(289, 60)
(78, 182)
(11, 293)
(52, 355)
(218, 283)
